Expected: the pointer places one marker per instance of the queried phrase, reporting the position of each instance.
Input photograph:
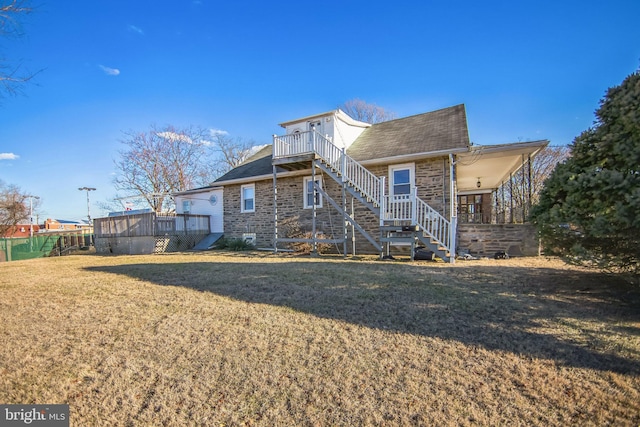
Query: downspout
(452, 211)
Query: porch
(496, 183)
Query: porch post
(383, 201)
(529, 191)
(511, 198)
(453, 212)
(523, 190)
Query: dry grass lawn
(217, 339)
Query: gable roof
(256, 165)
(438, 131)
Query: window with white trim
(248, 196)
(401, 179)
(310, 194)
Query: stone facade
(431, 177)
(487, 239)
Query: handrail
(399, 207)
(407, 207)
(433, 223)
(368, 184)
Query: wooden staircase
(404, 220)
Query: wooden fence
(151, 224)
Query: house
(21, 231)
(354, 187)
(65, 224)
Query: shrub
(236, 244)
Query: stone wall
(292, 216)
(487, 239)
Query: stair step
(399, 228)
(397, 239)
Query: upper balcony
(296, 151)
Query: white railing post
(383, 201)
(276, 147)
(414, 205)
(452, 239)
(343, 165)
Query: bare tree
(13, 207)
(163, 161)
(12, 77)
(229, 152)
(365, 112)
(515, 193)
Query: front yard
(261, 339)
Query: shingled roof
(256, 165)
(436, 131)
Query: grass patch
(259, 339)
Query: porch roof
(492, 164)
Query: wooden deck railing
(151, 224)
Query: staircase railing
(430, 221)
(410, 207)
(399, 207)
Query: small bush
(237, 245)
(294, 230)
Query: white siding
(201, 204)
(346, 134)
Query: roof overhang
(491, 165)
(197, 190)
(256, 178)
(338, 114)
(413, 156)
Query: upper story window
(401, 179)
(248, 195)
(310, 195)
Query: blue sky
(525, 70)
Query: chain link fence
(43, 245)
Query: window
(470, 208)
(186, 206)
(248, 193)
(401, 179)
(310, 194)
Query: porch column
(453, 212)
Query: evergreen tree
(589, 210)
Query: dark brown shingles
(440, 130)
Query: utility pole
(31, 219)
(87, 189)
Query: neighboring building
(21, 231)
(63, 224)
(368, 188)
